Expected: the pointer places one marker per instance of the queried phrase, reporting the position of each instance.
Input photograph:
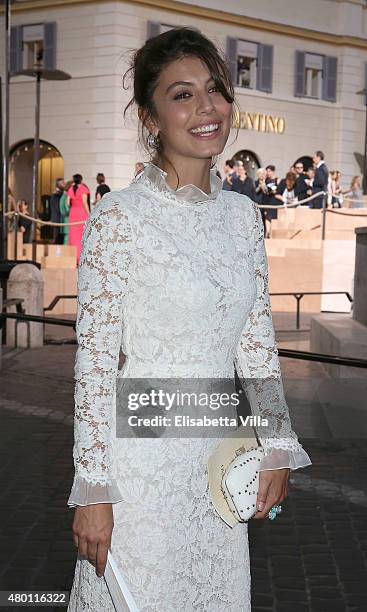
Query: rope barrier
(270, 206)
(41, 222)
(346, 214)
(295, 204)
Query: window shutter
(16, 49)
(365, 82)
(153, 29)
(299, 77)
(330, 70)
(265, 68)
(49, 46)
(231, 53)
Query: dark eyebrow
(185, 83)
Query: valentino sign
(259, 122)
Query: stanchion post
(15, 232)
(35, 166)
(323, 232)
(363, 92)
(5, 136)
(298, 313)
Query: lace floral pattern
(102, 288)
(179, 284)
(258, 368)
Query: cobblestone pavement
(311, 558)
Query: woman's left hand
(273, 489)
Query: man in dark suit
(321, 179)
(243, 183)
(300, 190)
(229, 174)
(58, 237)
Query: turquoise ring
(274, 511)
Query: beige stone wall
(337, 16)
(83, 117)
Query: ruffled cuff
(85, 493)
(279, 458)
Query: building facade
(297, 70)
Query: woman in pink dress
(77, 201)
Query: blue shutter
(330, 70)
(265, 68)
(16, 49)
(231, 54)
(49, 46)
(299, 76)
(153, 29)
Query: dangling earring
(153, 141)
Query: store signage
(259, 122)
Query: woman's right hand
(92, 532)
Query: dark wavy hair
(158, 52)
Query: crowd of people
(70, 201)
(298, 186)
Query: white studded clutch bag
(233, 475)
(240, 482)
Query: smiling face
(192, 117)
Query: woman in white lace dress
(173, 272)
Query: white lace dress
(178, 281)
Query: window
(315, 76)
(33, 45)
(246, 64)
(250, 64)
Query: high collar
(155, 178)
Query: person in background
(12, 206)
(355, 194)
(243, 184)
(260, 191)
(310, 176)
(269, 198)
(24, 224)
(64, 213)
(335, 189)
(286, 192)
(228, 175)
(102, 188)
(260, 185)
(55, 210)
(77, 201)
(321, 180)
(301, 185)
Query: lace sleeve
(102, 287)
(258, 369)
